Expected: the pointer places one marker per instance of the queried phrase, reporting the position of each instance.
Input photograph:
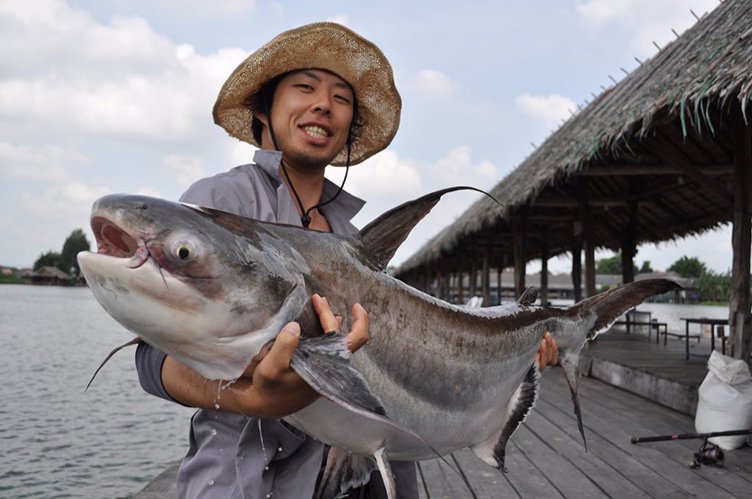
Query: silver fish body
(211, 289)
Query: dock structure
(636, 388)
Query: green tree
(49, 259)
(688, 267)
(646, 268)
(76, 242)
(714, 287)
(610, 265)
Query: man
(313, 96)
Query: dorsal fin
(386, 233)
(528, 296)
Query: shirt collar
(346, 204)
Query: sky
(103, 96)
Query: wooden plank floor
(546, 457)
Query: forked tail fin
(596, 314)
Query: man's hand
(275, 389)
(548, 353)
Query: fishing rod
(708, 453)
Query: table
(713, 323)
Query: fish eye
(184, 250)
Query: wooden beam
(671, 154)
(647, 169)
(570, 202)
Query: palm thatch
(659, 143)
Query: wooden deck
(546, 457)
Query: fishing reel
(707, 454)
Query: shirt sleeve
(229, 192)
(149, 362)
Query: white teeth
(315, 131)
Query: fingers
(358, 335)
(541, 357)
(553, 347)
(277, 361)
(548, 352)
(329, 322)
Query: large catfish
(211, 288)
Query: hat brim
(327, 46)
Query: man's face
(311, 115)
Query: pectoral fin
(493, 451)
(324, 363)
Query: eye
(184, 251)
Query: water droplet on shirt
(211, 482)
(213, 432)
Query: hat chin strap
(305, 219)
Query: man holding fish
(313, 96)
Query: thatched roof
(660, 141)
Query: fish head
(195, 283)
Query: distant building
(51, 276)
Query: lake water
(57, 440)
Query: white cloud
(647, 20)
(69, 200)
(187, 169)
(342, 19)
(384, 175)
(148, 190)
(46, 163)
(546, 109)
(72, 75)
(433, 84)
(239, 152)
(195, 8)
(457, 168)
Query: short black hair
(261, 102)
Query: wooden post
(460, 285)
(520, 257)
(628, 244)
(473, 278)
(544, 276)
(484, 279)
(586, 217)
(739, 303)
(499, 272)
(577, 262)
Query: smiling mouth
(316, 131)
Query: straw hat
(327, 46)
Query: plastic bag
(725, 400)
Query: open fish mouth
(113, 240)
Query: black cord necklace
(305, 219)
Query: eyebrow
(314, 76)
